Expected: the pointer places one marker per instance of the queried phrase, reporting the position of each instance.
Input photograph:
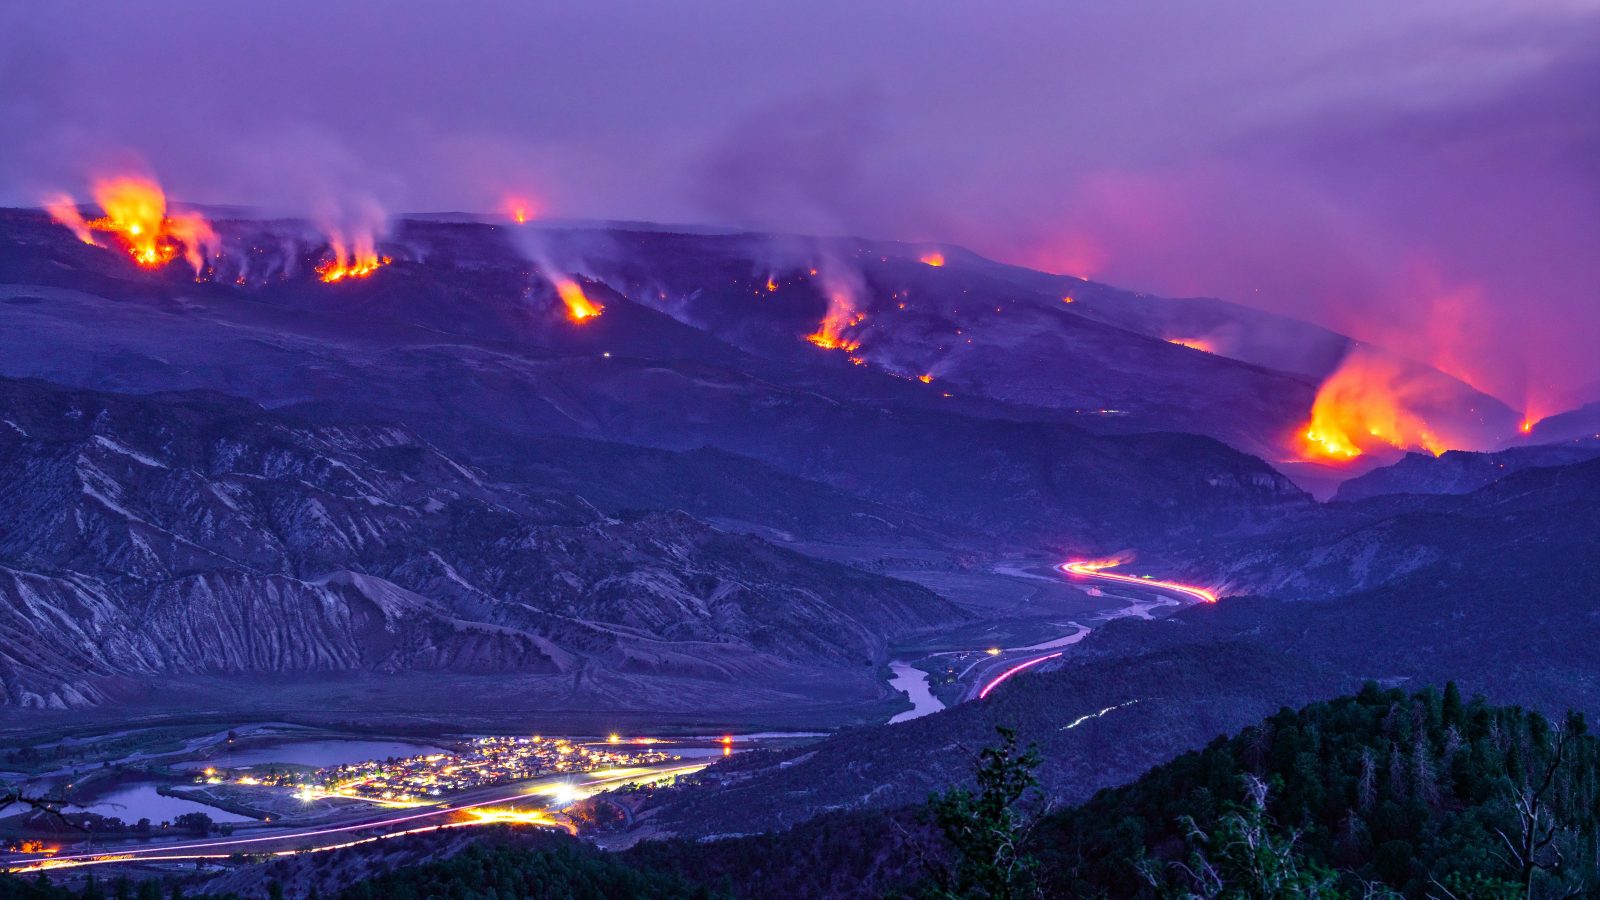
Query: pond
(132, 802)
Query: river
(913, 682)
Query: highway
(991, 674)
(480, 807)
(1091, 569)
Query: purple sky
(1425, 174)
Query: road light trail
(999, 679)
(68, 862)
(170, 851)
(1092, 569)
(1095, 569)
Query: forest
(1383, 794)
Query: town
(480, 762)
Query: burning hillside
(579, 307)
(519, 210)
(830, 335)
(1376, 402)
(355, 258)
(1200, 344)
(136, 217)
(842, 317)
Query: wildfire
(1368, 402)
(579, 307)
(135, 211)
(925, 379)
(841, 315)
(830, 335)
(1204, 346)
(1527, 425)
(772, 286)
(520, 210)
(933, 258)
(351, 259)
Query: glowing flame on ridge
(1204, 346)
(932, 258)
(841, 315)
(520, 210)
(351, 259)
(135, 211)
(1365, 404)
(579, 307)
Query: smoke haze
(1424, 175)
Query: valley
(280, 789)
(261, 536)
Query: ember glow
(579, 307)
(356, 258)
(520, 210)
(1367, 403)
(135, 213)
(934, 258)
(830, 335)
(1200, 344)
(841, 317)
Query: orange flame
(351, 259)
(830, 334)
(1366, 403)
(771, 285)
(520, 210)
(925, 379)
(1200, 344)
(135, 210)
(1527, 425)
(841, 315)
(579, 307)
(933, 258)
